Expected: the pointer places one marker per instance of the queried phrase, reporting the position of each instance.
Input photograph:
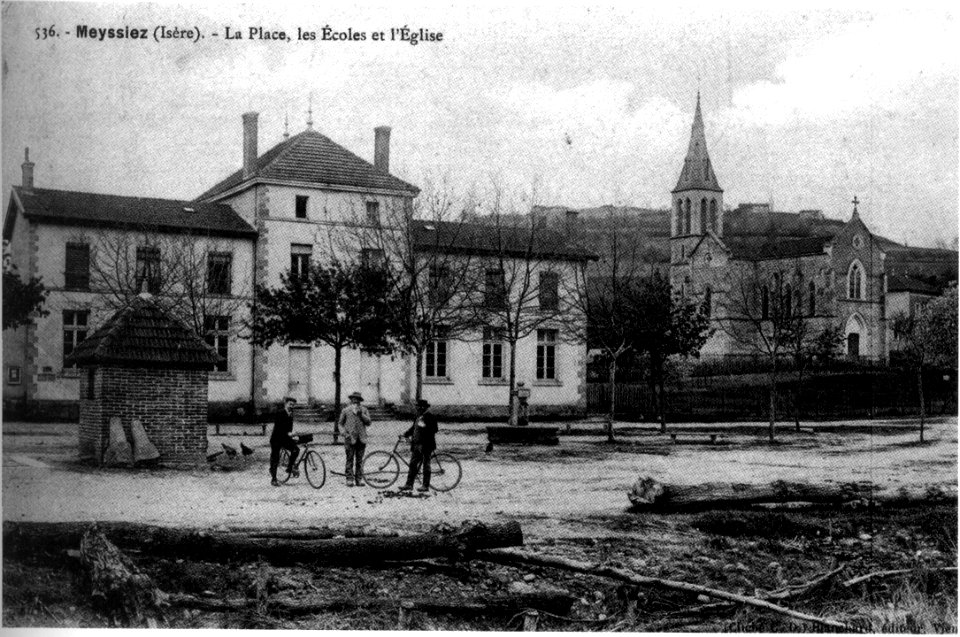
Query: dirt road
(554, 491)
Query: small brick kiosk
(142, 363)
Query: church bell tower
(697, 201)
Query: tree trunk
(923, 409)
(556, 602)
(419, 374)
(647, 494)
(662, 402)
(124, 593)
(773, 399)
(612, 379)
(512, 381)
(796, 397)
(656, 377)
(337, 360)
(202, 545)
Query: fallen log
(895, 573)
(512, 557)
(202, 545)
(648, 494)
(556, 602)
(118, 588)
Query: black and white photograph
(532, 316)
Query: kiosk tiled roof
(312, 157)
(142, 213)
(143, 334)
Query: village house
(306, 198)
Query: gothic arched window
(713, 214)
(787, 300)
(703, 216)
(812, 298)
(708, 301)
(855, 283)
(679, 216)
(764, 302)
(686, 217)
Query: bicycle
(382, 468)
(314, 468)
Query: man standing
(282, 438)
(353, 422)
(423, 442)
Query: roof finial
(286, 125)
(310, 113)
(855, 202)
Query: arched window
(764, 302)
(708, 301)
(855, 281)
(686, 217)
(703, 216)
(713, 215)
(812, 298)
(787, 301)
(679, 216)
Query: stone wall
(170, 403)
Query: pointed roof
(143, 334)
(312, 157)
(697, 173)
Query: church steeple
(697, 206)
(697, 173)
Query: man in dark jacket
(423, 442)
(282, 438)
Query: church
(745, 263)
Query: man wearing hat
(282, 438)
(353, 422)
(423, 442)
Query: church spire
(697, 171)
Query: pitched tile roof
(144, 334)
(85, 208)
(488, 240)
(905, 283)
(758, 248)
(314, 158)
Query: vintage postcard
(516, 316)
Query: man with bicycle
(423, 442)
(353, 422)
(282, 438)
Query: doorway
(298, 385)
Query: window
(708, 301)
(438, 284)
(373, 212)
(812, 298)
(13, 375)
(148, 269)
(299, 259)
(76, 273)
(217, 334)
(495, 289)
(549, 291)
(436, 358)
(855, 281)
(546, 354)
(219, 272)
(492, 353)
(686, 217)
(703, 216)
(679, 216)
(713, 215)
(74, 330)
(788, 301)
(301, 206)
(764, 302)
(372, 258)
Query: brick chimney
(27, 181)
(381, 149)
(249, 144)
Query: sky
(575, 104)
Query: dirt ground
(569, 499)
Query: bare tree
(758, 316)
(193, 277)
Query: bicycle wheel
(315, 469)
(282, 474)
(445, 472)
(380, 469)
